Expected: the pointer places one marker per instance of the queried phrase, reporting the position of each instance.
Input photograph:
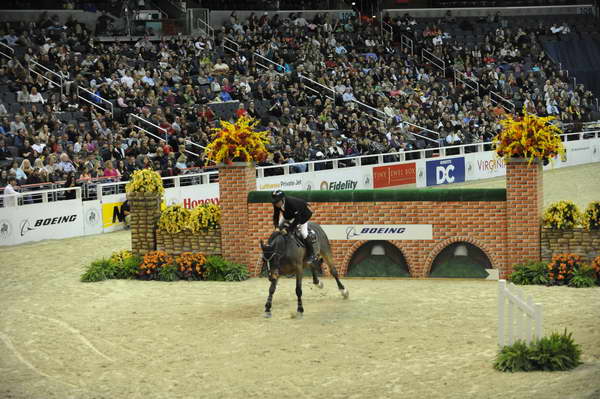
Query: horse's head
(272, 253)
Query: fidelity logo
(26, 225)
(339, 185)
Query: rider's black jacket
(294, 208)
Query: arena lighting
(353, 3)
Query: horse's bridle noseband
(268, 260)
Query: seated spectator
(35, 96)
(23, 95)
(65, 165)
(220, 67)
(109, 171)
(10, 190)
(70, 183)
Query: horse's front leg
(300, 310)
(272, 288)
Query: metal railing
(48, 71)
(407, 42)
(498, 99)
(387, 30)
(7, 51)
(433, 59)
(93, 97)
(38, 197)
(467, 81)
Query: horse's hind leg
(313, 269)
(329, 260)
(299, 292)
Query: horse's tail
(322, 238)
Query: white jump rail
(7, 51)
(522, 314)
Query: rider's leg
(310, 242)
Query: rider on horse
(296, 212)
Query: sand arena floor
(60, 338)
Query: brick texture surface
(575, 241)
(508, 232)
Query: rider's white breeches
(303, 227)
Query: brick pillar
(235, 182)
(145, 212)
(524, 207)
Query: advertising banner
(379, 231)
(394, 175)
(484, 165)
(192, 196)
(43, 221)
(112, 214)
(445, 171)
(92, 217)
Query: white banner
(353, 178)
(92, 217)
(192, 196)
(484, 165)
(379, 231)
(44, 221)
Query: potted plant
(529, 137)
(238, 142)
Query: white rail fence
(519, 318)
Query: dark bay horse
(282, 255)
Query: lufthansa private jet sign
(379, 231)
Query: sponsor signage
(112, 214)
(193, 196)
(379, 231)
(278, 184)
(484, 165)
(445, 171)
(394, 175)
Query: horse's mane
(274, 235)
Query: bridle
(268, 260)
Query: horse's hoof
(345, 293)
(268, 315)
(298, 315)
(320, 284)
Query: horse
(283, 254)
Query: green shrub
(557, 352)
(515, 357)
(168, 273)
(99, 270)
(128, 268)
(219, 269)
(583, 277)
(530, 272)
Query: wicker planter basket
(207, 242)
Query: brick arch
(440, 246)
(356, 246)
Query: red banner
(394, 175)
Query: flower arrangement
(529, 137)
(145, 181)
(174, 219)
(562, 267)
(190, 266)
(153, 263)
(562, 215)
(121, 256)
(238, 141)
(596, 267)
(591, 217)
(204, 217)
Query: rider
(296, 211)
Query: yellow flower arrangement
(591, 216)
(145, 181)
(562, 215)
(120, 256)
(238, 141)
(529, 137)
(174, 219)
(203, 217)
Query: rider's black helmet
(277, 196)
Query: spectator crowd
(322, 87)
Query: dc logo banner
(445, 171)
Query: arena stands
(324, 87)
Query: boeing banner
(445, 171)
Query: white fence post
(523, 311)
